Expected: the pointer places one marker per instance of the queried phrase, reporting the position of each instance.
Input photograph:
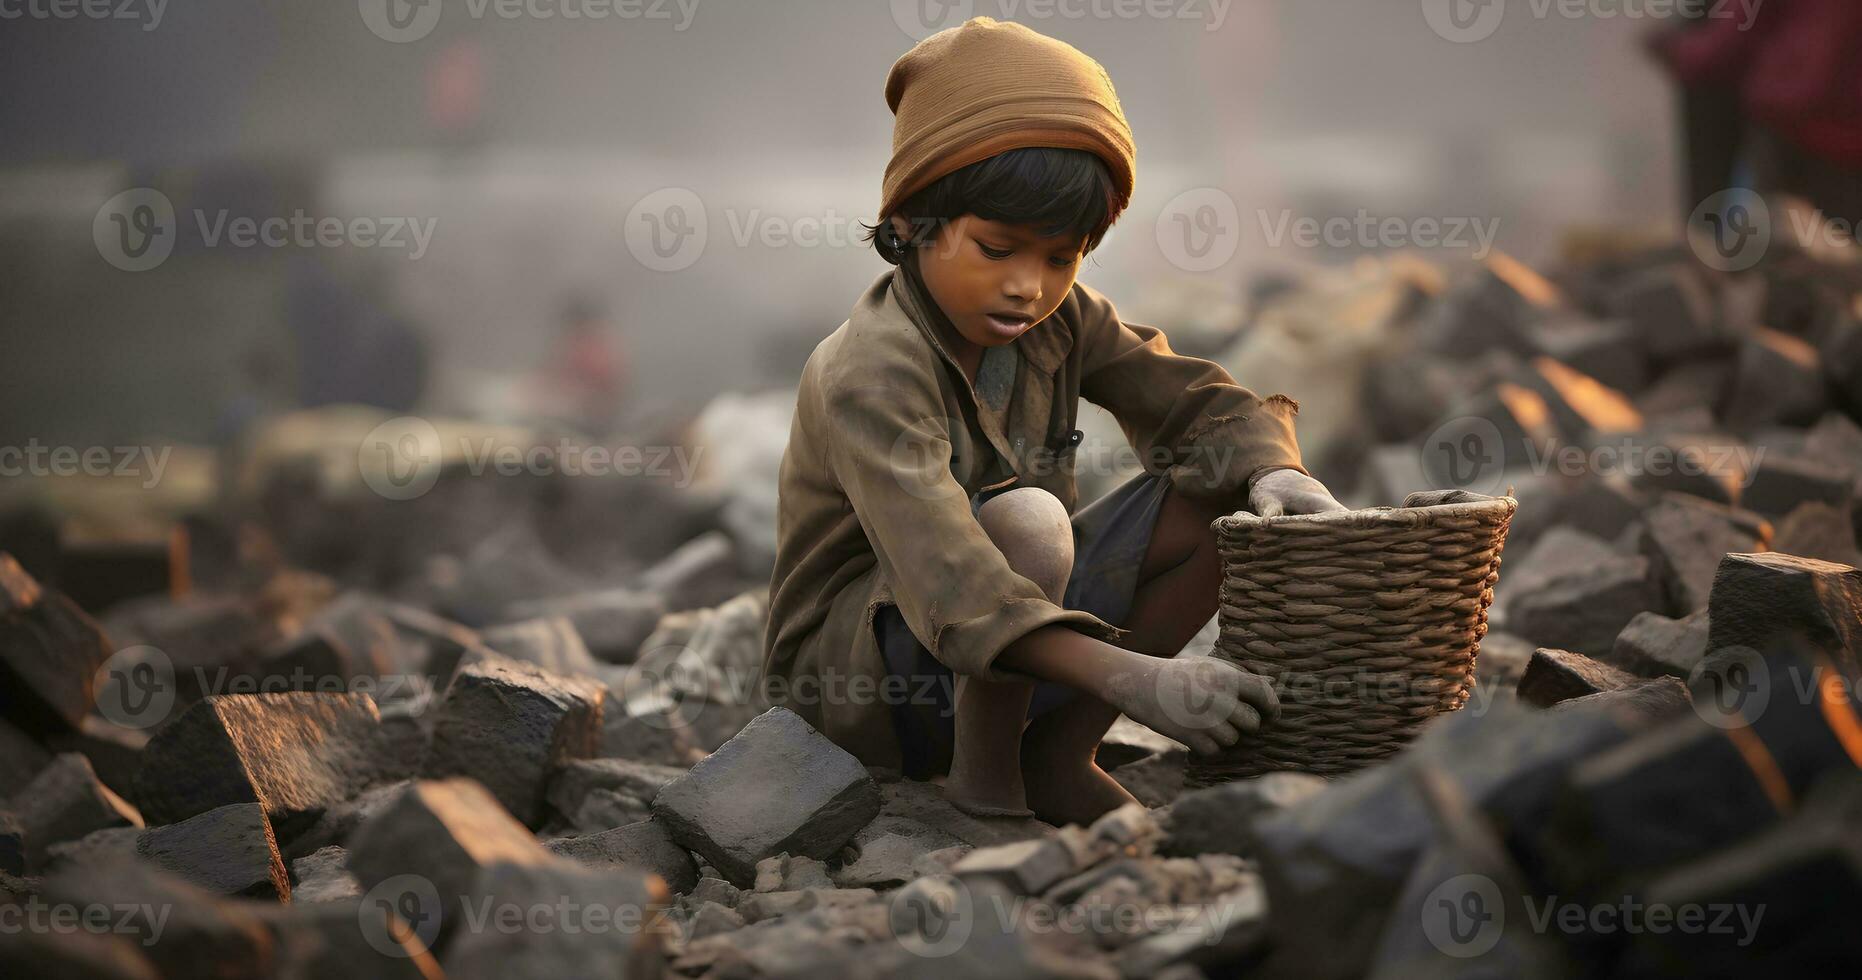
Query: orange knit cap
(968, 93)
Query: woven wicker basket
(1367, 621)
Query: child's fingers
(1201, 743)
(1245, 719)
(1257, 692)
(1225, 734)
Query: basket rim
(1375, 516)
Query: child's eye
(1063, 261)
(994, 253)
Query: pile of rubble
(488, 763)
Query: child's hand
(1279, 492)
(1202, 702)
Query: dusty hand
(1279, 492)
(1204, 703)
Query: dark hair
(1059, 191)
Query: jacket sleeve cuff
(970, 647)
(1227, 452)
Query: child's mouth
(1010, 327)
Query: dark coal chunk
(509, 725)
(295, 753)
(1584, 612)
(422, 853)
(1653, 645)
(64, 802)
(1685, 538)
(50, 652)
(1559, 675)
(1759, 600)
(228, 850)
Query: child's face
(995, 280)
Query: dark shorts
(1110, 537)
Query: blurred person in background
(1772, 100)
(584, 379)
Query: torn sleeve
(1186, 417)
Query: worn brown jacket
(890, 439)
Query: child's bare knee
(1033, 531)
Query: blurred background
(278, 266)
(524, 142)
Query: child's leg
(1176, 595)
(1032, 530)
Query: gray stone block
(642, 846)
(324, 876)
(730, 810)
(1206, 821)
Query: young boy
(926, 525)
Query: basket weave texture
(1367, 621)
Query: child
(926, 525)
